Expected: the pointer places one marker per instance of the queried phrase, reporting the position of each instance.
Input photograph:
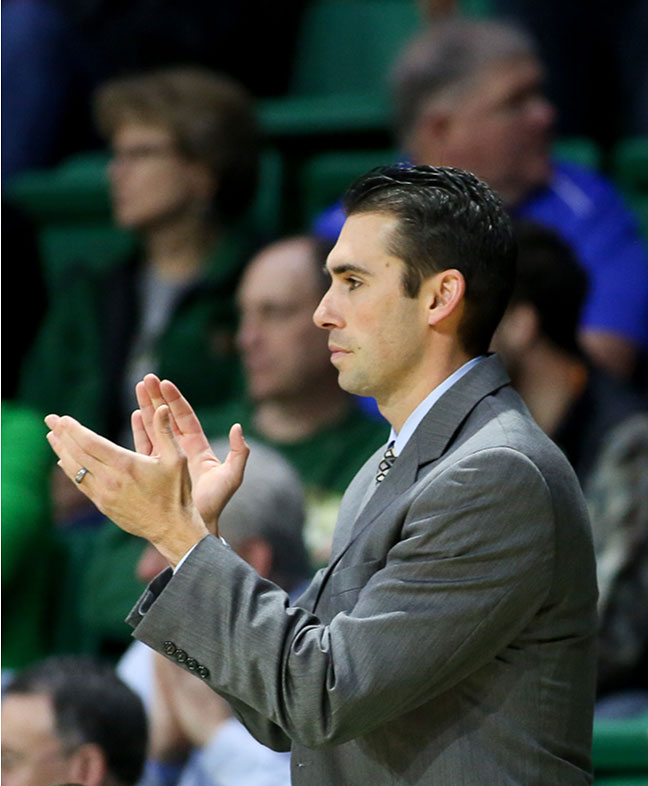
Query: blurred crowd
(202, 296)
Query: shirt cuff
(177, 567)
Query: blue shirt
(588, 212)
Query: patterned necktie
(386, 463)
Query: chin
(353, 386)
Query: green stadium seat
(630, 164)
(620, 751)
(630, 173)
(70, 206)
(325, 176)
(579, 150)
(344, 51)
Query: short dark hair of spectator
(550, 278)
(447, 219)
(444, 60)
(91, 705)
(211, 117)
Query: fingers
(83, 441)
(146, 407)
(78, 447)
(72, 459)
(238, 454)
(150, 398)
(153, 391)
(185, 418)
(141, 438)
(165, 438)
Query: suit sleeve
(472, 567)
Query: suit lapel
(428, 443)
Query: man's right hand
(213, 482)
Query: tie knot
(386, 463)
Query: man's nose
(325, 315)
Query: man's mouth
(337, 352)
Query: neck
(177, 251)
(549, 383)
(292, 419)
(397, 405)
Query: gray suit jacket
(450, 641)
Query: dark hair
(211, 116)
(91, 705)
(551, 279)
(447, 219)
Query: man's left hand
(148, 496)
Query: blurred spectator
(602, 426)
(194, 737)
(71, 719)
(596, 57)
(184, 172)
(26, 466)
(468, 93)
(294, 402)
(48, 74)
(617, 493)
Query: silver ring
(80, 474)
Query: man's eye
(353, 283)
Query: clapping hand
(213, 482)
(167, 491)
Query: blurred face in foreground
(500, 128)
(151, 181)
(32, 754)
(284, 354)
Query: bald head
(284, 354)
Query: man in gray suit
(450, 640)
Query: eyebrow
(346, 267)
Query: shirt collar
(409, 427)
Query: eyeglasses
(137, 153)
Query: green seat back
(620, 747)
(347, 46)
(578, 150)
(345, 49)
(630, 173)
(325, 176)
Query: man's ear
(88, 765)
(445, 296)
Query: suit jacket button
(203, 672)
(181, 656)
(192, 664)
(169, 648)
